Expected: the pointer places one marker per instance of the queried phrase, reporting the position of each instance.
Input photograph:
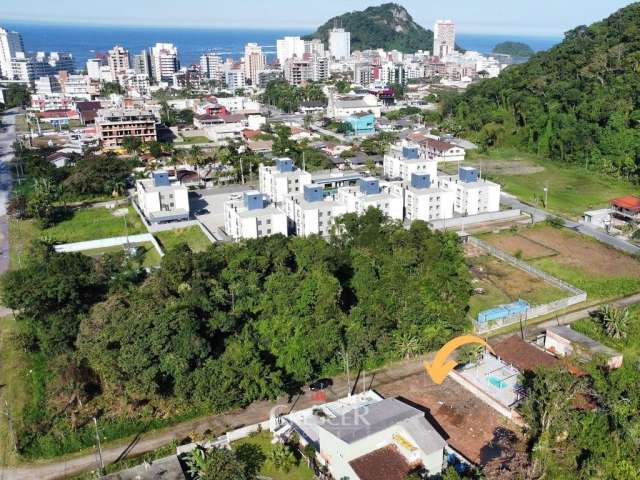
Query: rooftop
(582, 340)
(523, 355)
(630, 202)
(168, 468)
(387, 463)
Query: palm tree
(407, 345)
(614, 321)
(282, 457)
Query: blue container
(284, 165)
(410, 153)
(369, 186)
(493, 314)
(161, 178)
(468, 174)
(517, 307)
(253, 200)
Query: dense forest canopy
(236, 323)
(388, 26)
(578, 102)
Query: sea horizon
(86, 41)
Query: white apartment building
(473, 195)
(164, 61)
(282, 180)
(75, 86)
(342, 106)
(48, 85)
(311, 213)
(289, 47)
(160, 200)
(10, 45)
(118, 60)
(406, 159)
(370, 193)
(340, 44)
(444, 38)
(93, 68)
(423, 200)
(314, 47)
(252, 217)
(211, 66)
(234, 77)
(254, 62)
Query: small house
(564, 341)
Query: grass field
(150, 256)
(601, 271)
(193, 140)
(192, 236)
(263, 440)
(21, 234)
(13, 386)
(572, 189)
(92, 224)
(503, 283)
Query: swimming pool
(496, 382)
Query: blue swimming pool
(496, 382)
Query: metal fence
(577, 295)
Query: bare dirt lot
(573, 251)
(470, 425)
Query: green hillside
(515, 49)
(578, 102)
(389, 26)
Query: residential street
(540, 215)
(7, 137)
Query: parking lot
(210, 202)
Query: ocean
(85, 42)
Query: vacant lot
(95, 223)
(146, 252)
(192, 236)
(502, 283)
(598, 269)
(572, 188)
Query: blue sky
(523, 17)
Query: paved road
(7, 137)
(218, 424)
(540, 215)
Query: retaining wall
(476, 219)
(109, 242)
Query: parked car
(321, 384)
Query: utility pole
(100, 462)
(546, 194)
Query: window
(319, 214)
(268, 221)
(268, 231)
(259, 222)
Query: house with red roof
(626, 208)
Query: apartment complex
(340, 43)
(164, 62)
(444, 38)
(473, 195)
(113, 125)
(313, 212)
(118, 60)
(160, 200)
(282, 180)
(253, 217)
(10, 45)
(254, 62)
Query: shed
(564, 341)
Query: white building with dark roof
(388, 439)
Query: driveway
(212, 200)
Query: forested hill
(579, 101)
(389, 26)
(515, 49)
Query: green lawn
(94, 223)
(194, 140)
(192, 236)
(13, 376)
(150, 256)
(21, 234)
(572, 189)
(263, 440)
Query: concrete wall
(109, 242)
(476, 219)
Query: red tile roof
(248, 134)
(386, 463)
(523, 355)
(630, 202)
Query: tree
(16, 95)
(111, 88)
(131, 144)
(40, 204)
(614, 321)
(282, 458)
(216, 464)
